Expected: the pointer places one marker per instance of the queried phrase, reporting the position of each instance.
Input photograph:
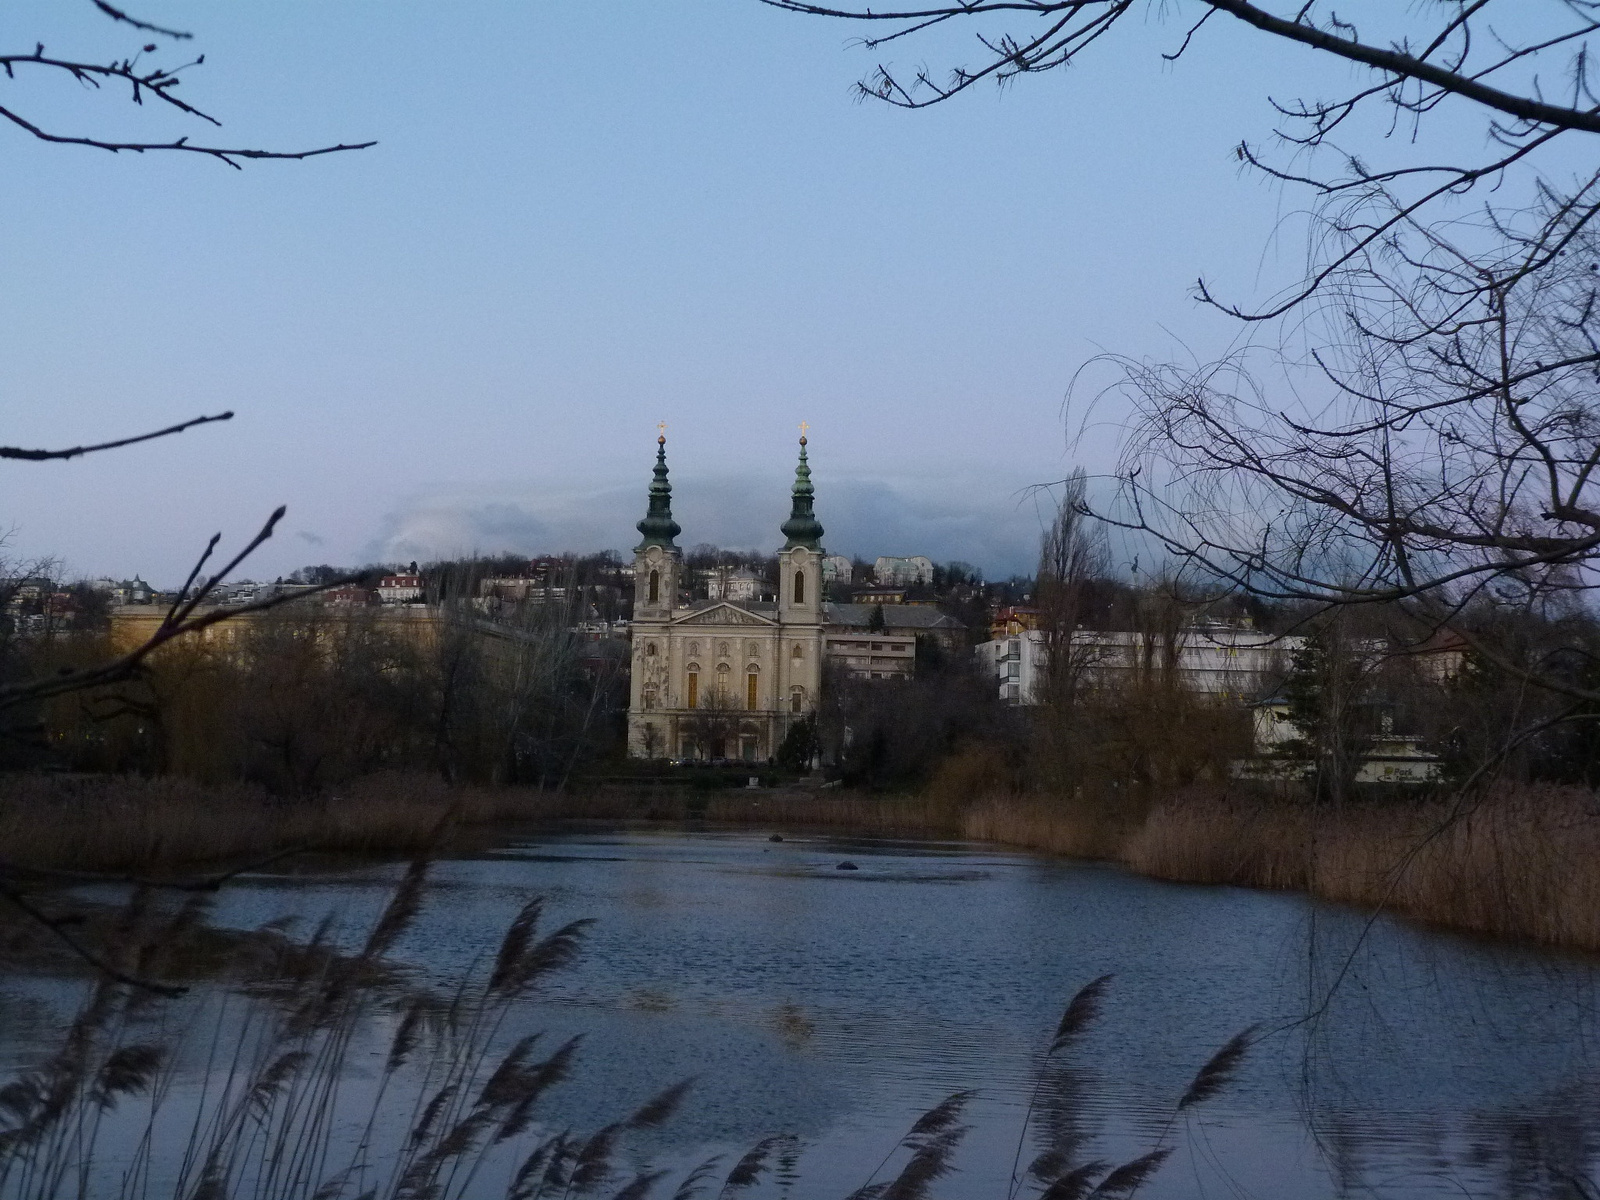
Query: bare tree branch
(116, 14)
(74, 452)
(158, 82)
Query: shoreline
(1517, 866)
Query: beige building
(723, 678)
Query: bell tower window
(655, 587)
(799, 587)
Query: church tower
(800, 560)
(657, 561)
(657, 564)
(800, 609)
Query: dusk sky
(582, 218)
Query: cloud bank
(992, 524)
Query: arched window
(798, 652)
(694, 686)
(799, 587)
(650, 696)
(723, 676)
(797, 699)
(655, 587)
(752, 687)
(650, 649)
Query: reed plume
(697, 1180)
(1080, 1013)
(1218, 1070)
(1130, 1176)
(748, 1170)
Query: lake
(838, 1005)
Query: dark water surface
(838, 1005)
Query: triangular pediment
(723, 614)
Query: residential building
(867, 655)
(734, 583)
(1017, 662)
(1227, 662)
(904, 620)
(404, 588)
(902, 572)
(350, 595)
(837, 568)
(1385, 756)
(1012, 619)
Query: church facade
(723, 678)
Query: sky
(583, 217)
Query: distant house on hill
(836, 568)
(734, 583)
(902, 572)
(350, 595)
(400, 588)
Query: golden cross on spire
(661, 428)
(805, 428)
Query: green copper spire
(802, 527)
(658, 526)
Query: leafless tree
(1073, 558)
(1415, 424)
(1449, 463)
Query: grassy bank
(1520, 863)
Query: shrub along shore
(1518, 862)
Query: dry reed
(116, 823)
(1516, 862)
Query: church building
(723, 678)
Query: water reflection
(837, 1005)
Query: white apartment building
(1228, 662)
(1017, 663)
(902, 572)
